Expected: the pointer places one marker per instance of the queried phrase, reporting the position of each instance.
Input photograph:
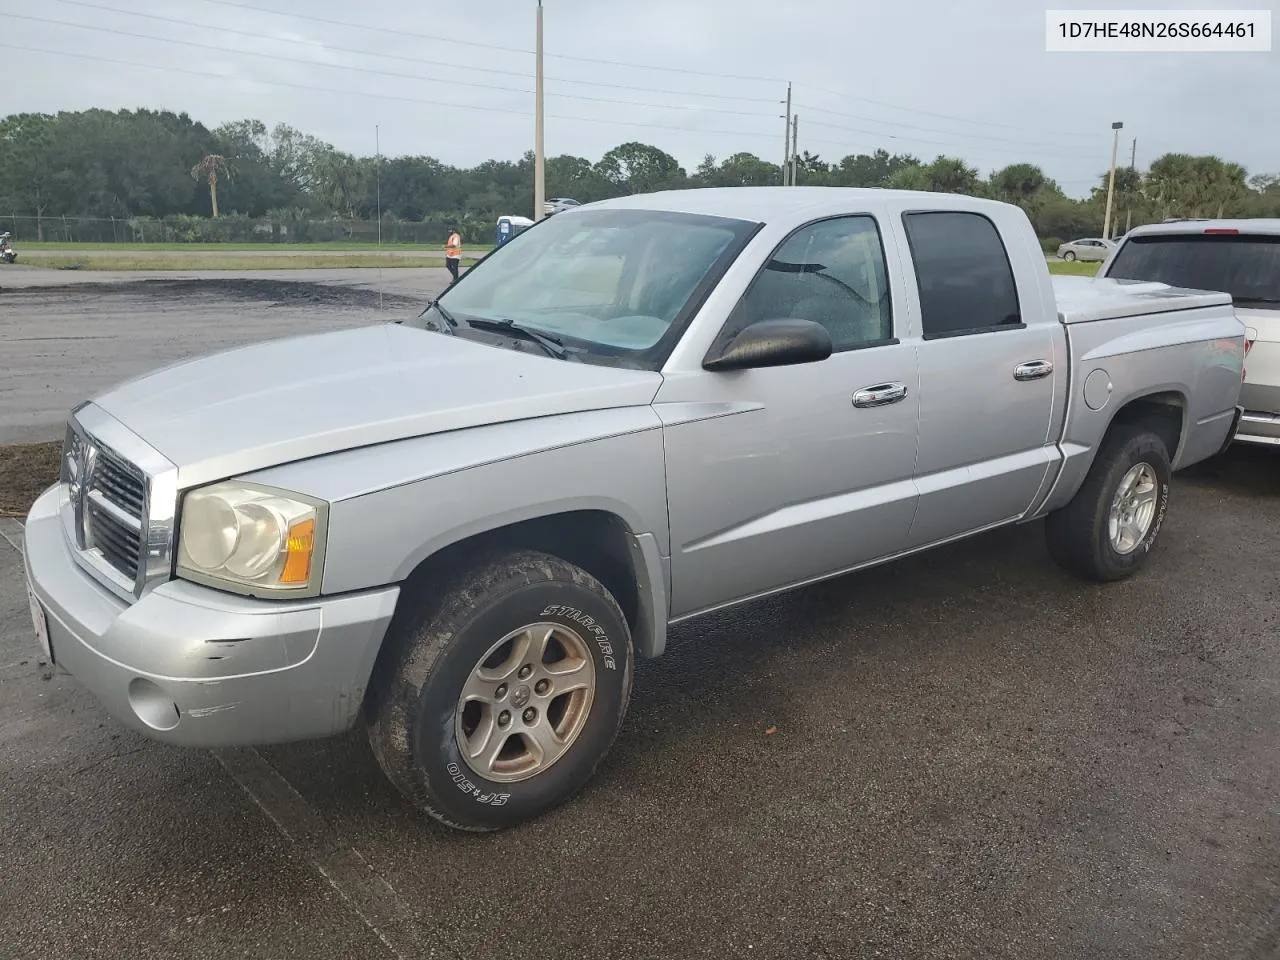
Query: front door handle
(1032, 370)
(880, 395)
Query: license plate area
(40, 621)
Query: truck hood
(299, 397)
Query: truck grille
(119, 481)
(120, 495)
(114, 507)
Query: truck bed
(1088, 299)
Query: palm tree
(1234, 186)
(953, 175)
(1169, 183)
(1128, 193)
(341, 180)
(1018, 182)
(209, 168)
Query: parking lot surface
(972, 755)
(65, 335)
(963, 754)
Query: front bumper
(198, 667)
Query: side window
(962, 269)
(832, 273)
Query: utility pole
(539, 161)
(1111, 183)
(377, 148)
(1133, 167)
(795, 151)
(786, 141)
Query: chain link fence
(236, 228)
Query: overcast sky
(454, 80)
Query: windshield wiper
(1256, 299)
(554, 346)
(435, 304)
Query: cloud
(918, 76)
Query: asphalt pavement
(67, 335)
(963, 754)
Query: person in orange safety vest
(453, 252)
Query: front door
(780, 475)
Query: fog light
(152, 705)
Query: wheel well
(1163, 413)
(595, 540)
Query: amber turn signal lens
(298, 550)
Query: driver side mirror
(773, 343)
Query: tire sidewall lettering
(463, 783)
(1150, 539)
(595, 630)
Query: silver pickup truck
(462, 529)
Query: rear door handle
(880, 395)
(1032, 370)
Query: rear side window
(962, 269)
(1246, 267)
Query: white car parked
(1091, 248)
(557, 204)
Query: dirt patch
(26, 470)
(277, 292)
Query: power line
(926, 113)
(415, 60)
(949, 133)
(1051, 151)
(372, 70)
(350, 25)
(311, 88)
(964, 149)
(402, 33)
(506, 89)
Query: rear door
(987, 379)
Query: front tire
(1108, 529)
(503, 693)
(1069, 256)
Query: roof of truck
(765, 204)
(1252, 225)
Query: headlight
(252, 539)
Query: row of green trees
(158, 164)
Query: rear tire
(470, 721)
(1108, 529)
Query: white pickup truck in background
(1241, 257)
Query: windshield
(617, 286)
(1247, 267)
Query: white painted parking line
(368, 895)
(11, 532)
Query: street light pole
(539, 162)
(1111, 182)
